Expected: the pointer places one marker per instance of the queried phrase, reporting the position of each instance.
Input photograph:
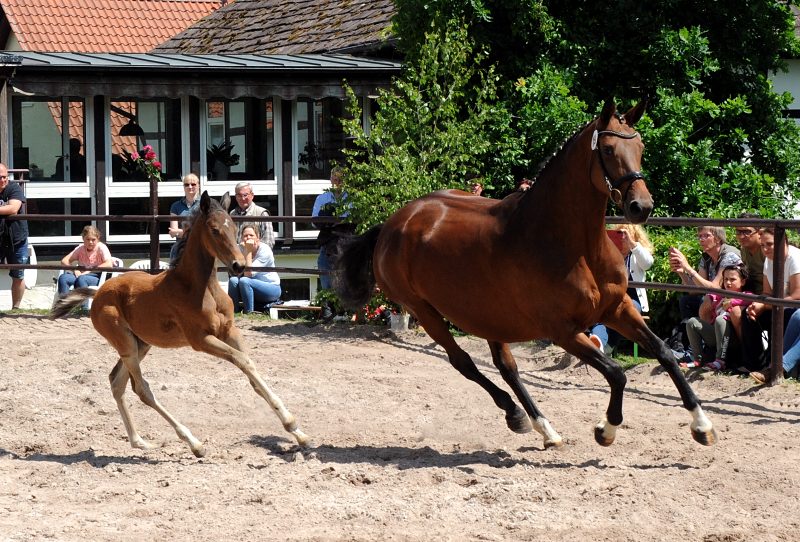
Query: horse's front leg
(579, 345)
(630, 324)
(233, 350)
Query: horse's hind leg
(632, 326)
(119, 381)
(579, 345)
(434, 324)
(132, 370)
(504, 361)
(233, 350)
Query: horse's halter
(613, 187)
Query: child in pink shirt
(92, 253)
(714, 327)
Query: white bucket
(399, 322)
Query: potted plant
(220, 159)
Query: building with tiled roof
(289, 27)
(96, 26)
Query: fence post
(154, 247)
(776, 333)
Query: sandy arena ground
(406, 449)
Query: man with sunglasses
(13, 234)
(246, 207)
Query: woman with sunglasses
(182, 207)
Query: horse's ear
(225, 201)
(635, 113)
(608, 111)
(205, 202)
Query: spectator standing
(261, 286)
(717, 255)
(182, 207)
(13, 234)
(246, 207)
(638, 253)
(474, 183)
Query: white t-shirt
(790, 267)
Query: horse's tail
(64, 305)
(353, 277)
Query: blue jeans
(68, 280)
(19, 257)
(250, 290)
(791, 343)
(324, 264)
(609, 336)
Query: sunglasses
(190, 184)
(746, 233)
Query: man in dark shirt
(13, 234)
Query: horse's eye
(215, 231)
(608, 150)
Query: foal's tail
(353, 278)
(69, 301)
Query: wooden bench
(273, 311)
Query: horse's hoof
(558, 446)
(521, 424)
(199, 452)
(601, 439)
(706, 438)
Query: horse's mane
(543, 165)
(187, 224)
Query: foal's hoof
(519, 422)
(706, 438)
(199, 452)
(601, 438)
(558, 446)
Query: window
(48, 138)
(240, 139)
(135, 124)
(320, 136)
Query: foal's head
(218, 233)
(619, 156)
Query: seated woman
(92, 253)
(638, 253)
(261, 286)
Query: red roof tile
(100, 26)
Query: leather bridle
(613, 187)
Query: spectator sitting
(791, 353)
(716, 255)
(759, 315)
(713, 326)
(92, 253)
(246, 207)
(638, 253)
(261, 286)
(749, 238)
(182, 207)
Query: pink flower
(157, 165)
(147, 148)
(135, 156)
(150, 155)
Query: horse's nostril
(635, 208)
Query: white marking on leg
(700, 421)
(607, 430)
(542, 426)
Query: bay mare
(535, 264)
(183, 306)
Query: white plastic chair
(145, 264)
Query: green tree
(716, 140)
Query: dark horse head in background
(535, 264)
